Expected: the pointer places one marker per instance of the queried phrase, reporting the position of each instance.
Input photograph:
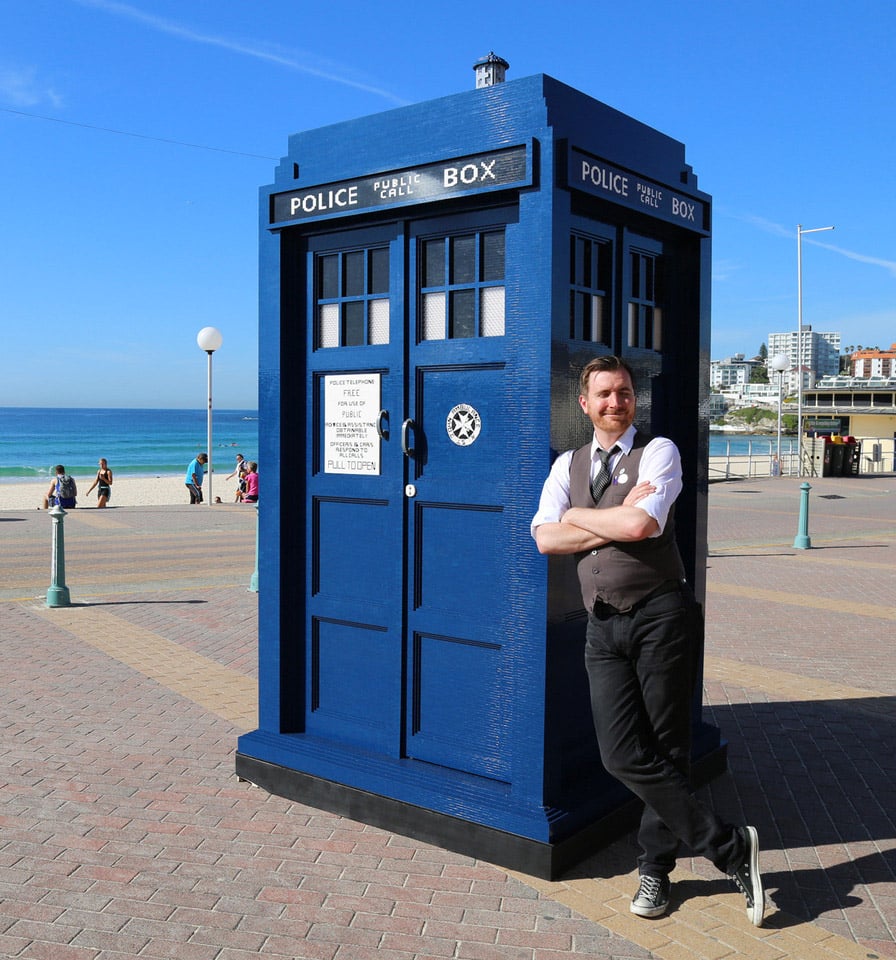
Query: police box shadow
(818, 781)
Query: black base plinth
(544, 860)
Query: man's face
(610, 402)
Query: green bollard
(802, 541)
(57, 592)
(253, 580)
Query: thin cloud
(160, 24)
(769, 226)
(20, 86)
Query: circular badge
(463, 424)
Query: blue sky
(134, 137)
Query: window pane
(604, 264)
(649, 266)
(636, 275)
(378, 277)
(353, 274)
(657, 328)
(492, 312)
(353, 323)
(328, 325)
(598, 332)
(378, 321)
(632, 333)
(463, 259)
(434, 263)
(493, 256)
(328, 277)
(463, 314)
(433, 316)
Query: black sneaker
(747, 878)
(652, 898)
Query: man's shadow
(817, 778)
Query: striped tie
(602, 477)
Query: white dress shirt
(660, 464)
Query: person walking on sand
(193, 479)
(63, 491)
(103, 484)
(239, 471)
(610, 504)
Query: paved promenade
(125, 834)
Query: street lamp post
(209, 340)
(799, 338)
(780, 363)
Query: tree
(763, 352)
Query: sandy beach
(126, 492)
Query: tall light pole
(209, 340)
(779, 363)
(799, 339)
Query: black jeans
(641, 670)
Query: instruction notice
(351, 413)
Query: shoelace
(650, 887)
(744, 888)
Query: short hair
(600, 365)
(60, 468)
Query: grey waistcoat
(621, 574)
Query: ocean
(162, 442)
(135, 442)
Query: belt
(668, 586)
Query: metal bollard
(57, 592)
(253, 580)
(802, 541)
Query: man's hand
(638, 493)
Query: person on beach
(63, 491)
(251, 492)
(239, 472)
(103, 484)
(611, 504)
(193, 479)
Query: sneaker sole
(756, 913)
(649, 911)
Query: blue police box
(433, 279)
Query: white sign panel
(351, 412)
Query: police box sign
(602, 179)
(497, 169)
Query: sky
(134, 137)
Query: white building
(731, 372)
(819, 355)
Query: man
(611, 502)
(63, 491)
(193, 479)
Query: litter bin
(852, 456)
(838, 451)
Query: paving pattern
(124, 832)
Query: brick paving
(124, 832)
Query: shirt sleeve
(554, 500)
(661, 465)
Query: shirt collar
(625, 442)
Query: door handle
(382, 425)
(406, 428)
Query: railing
(761, 459)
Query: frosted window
(434, 316)
(328, 325)
(378, 321)
(492, 311)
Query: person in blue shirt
(193, 479)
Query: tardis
(432, 281)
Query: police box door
(408, 600)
